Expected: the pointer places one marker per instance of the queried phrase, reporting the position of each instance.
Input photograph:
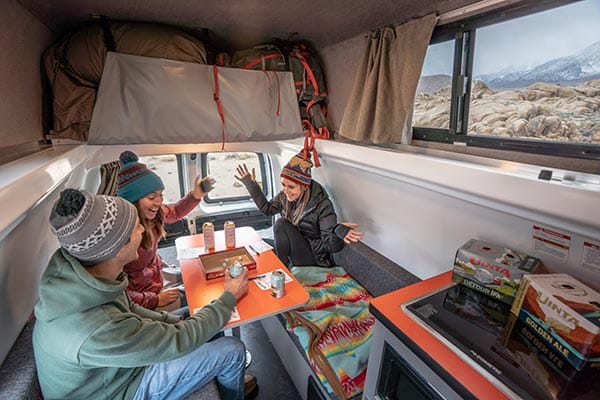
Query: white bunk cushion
(155, 101)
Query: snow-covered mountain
(584, 65)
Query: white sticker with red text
(551, 242)
(591, 255)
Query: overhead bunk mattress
(153, 101)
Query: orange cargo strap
(309, 144)
(219, 105)
(310, 74)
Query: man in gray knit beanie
(92, 228)
(91, 341)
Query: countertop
(460, 375)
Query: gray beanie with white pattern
(92, 228)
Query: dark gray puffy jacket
(318, 224)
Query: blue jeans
(223, 359)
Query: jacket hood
(68, 288)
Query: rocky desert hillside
(540, 111)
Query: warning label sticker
(551, 242)
(590, 257)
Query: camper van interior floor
(273, 380)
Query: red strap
(219, 105)
(309, 72)
(310, 135)
(221, 59)
(278, 93)
(310, 104)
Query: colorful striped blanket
(334, 328)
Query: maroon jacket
(145, 273)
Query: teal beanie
(135, 180)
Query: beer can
(208, 232)
(277, 284)
(229, 228)
(237, 268)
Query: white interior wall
(24, 253)
(419, 210)
(28, 189)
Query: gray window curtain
(108, 178)
(380, 107)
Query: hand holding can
(236, 268)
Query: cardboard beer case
(212, 263)
(491, 269)
(562, 312)
(546, 365)
(550, 348)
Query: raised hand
(202, 187)
(353, 236)
(243, 172)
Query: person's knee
(283, 230)
(232, 348)
(281, 226)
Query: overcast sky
(527, 41)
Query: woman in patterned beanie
(308, 233)
(144, 189)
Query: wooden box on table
(212, 263)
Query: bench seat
(18, 376)
(376, 273)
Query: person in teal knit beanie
(135, 180)
(144, 188)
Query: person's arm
(347, 231)
(334, 234)
(134, 339)
(175, 212)
(146, 299)
(327, 224)
(153, 315)
(267, 207)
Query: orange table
(257, 304)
